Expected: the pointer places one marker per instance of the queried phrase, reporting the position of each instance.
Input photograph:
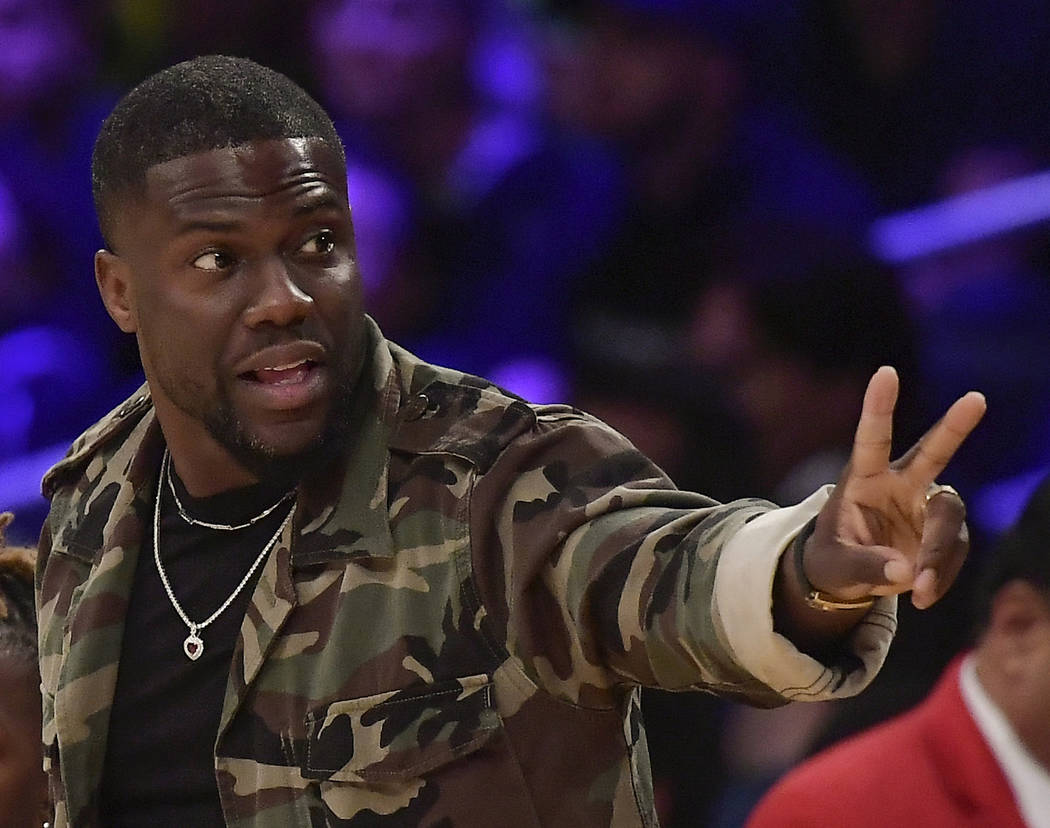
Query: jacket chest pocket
(399, 736)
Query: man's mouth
(285, 377)
(288, 374)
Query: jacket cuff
(742, 608)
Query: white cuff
(742, 607)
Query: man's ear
(113, 277)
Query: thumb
(853, 571)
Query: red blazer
(929, 767)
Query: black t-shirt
(159, 766)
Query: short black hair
(202, 104)
(17, 611)
(1023, 553)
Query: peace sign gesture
(887, 528)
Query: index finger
(874, 435)
(935, 448)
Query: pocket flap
(401, 734)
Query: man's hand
(879, 534)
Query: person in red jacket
(976, 752)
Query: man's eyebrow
(320, 201)
(311, 204)
(205, 225)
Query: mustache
(270, 336)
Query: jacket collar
(115, 463)
(967, 765)
(342, 512)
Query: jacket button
(416, 407)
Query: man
(304, 578)
(977, 750)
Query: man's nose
(278, 300)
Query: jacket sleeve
(597, 572)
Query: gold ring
(939, 488)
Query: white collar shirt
(1028, 779)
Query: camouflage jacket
(452, 630)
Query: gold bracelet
(815, 598)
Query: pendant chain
(166, 471)
(193, 646)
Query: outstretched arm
(886, 528)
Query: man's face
(244, 294)
(1030, 706)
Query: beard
(261, 459)
(265, 461)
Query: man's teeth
(287, 367)
(283, 374)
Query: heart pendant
(193, 646)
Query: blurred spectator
(19, 286)
(383, 217)
(505, 212)
(64, 361)
(23, 786)
(666, 84)
(635, 379)
(48, 377)
(900, 86)
(49, 114)
(795, 320)
(143, 36)
(982, 311)
(977, 750)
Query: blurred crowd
(660, 210)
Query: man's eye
(213, 260)
(320, 243)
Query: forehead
(271, 172)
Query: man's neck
(207, 470)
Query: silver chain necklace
(166, 471)
(193, 645)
